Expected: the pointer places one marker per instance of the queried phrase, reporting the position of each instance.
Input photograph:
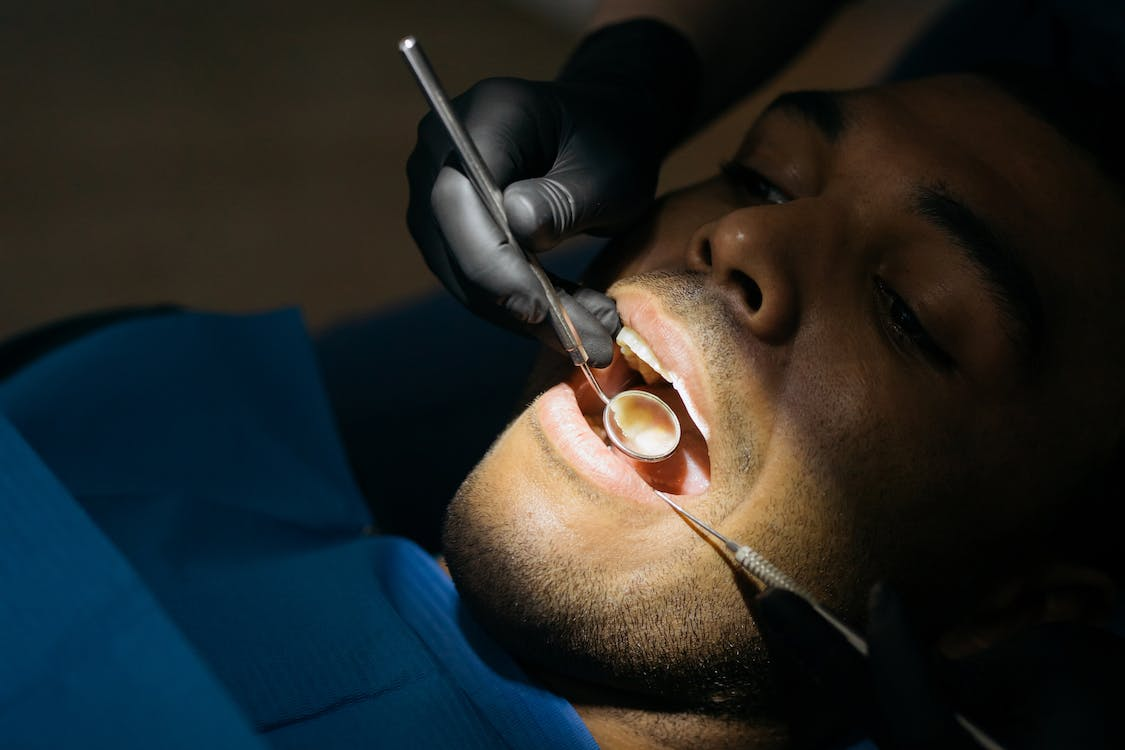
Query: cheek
(863, 416)
(897, 472)
(834, 423)
(862, 439)
(858, 456)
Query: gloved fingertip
(604, 309)
(599, 349)
(882, 595)
(595, 317)
(540, 213)
(787, 614)
(885, 611)
(525, 308)
(911, 710)
(780, 601)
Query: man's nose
(752, 251)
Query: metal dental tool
(765, 572)
(638, 423)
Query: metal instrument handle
(478, 174)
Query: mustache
(692, 296)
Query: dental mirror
(638, 423)
(641, 425)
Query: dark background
(249, 154)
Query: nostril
(750, 289)
(702, 254)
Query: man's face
(891, 319)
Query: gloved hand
(1054, 685)
(579, 154)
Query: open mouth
(635, 366)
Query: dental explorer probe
(636, 441)
(751, 561)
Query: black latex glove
(1052, 686)
(579, 154)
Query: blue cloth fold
(183, 563)
(89, 658)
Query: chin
(569, 606)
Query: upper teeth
(641, 358)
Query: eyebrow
(824, 110)
(1011, 282)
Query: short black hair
(1090, 116)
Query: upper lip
(671, 344)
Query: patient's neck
(633, 729)
(620, 722)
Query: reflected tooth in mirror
(647, 426)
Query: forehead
(1044, 194)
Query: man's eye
(745, 179)
(904, 327)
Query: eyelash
(747, 180)
(904, 327)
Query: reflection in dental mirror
(641, 425)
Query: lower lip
(566, 429)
